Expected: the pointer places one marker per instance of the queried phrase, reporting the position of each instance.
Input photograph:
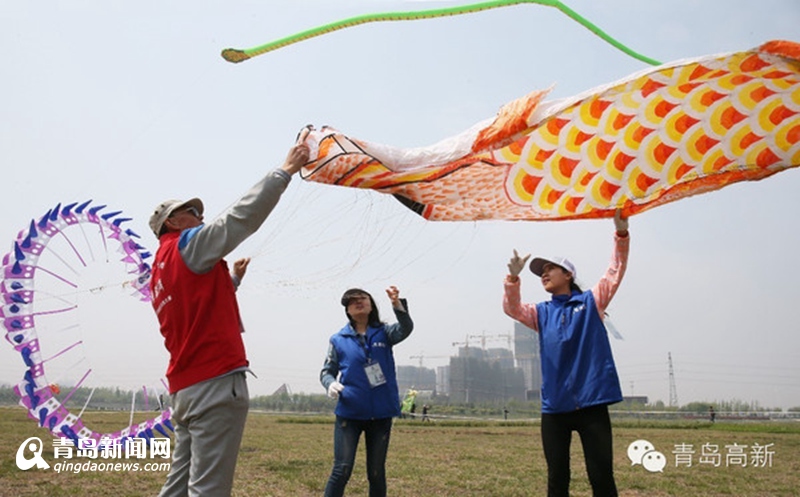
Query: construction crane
(422, 356)
(484, 337)
(465, 343)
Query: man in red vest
(193, 294)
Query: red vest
(198, 315)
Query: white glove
(335, 389)
(517, 264)
(620, 223)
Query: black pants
(594, 427)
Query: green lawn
(290, 456)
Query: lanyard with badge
(372, 369)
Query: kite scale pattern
(669, 132)
(66, 234)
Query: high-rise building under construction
(526, 354)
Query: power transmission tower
(673, 392)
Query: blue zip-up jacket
(346, 359)
(578, 368)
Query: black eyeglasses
(354, 298)
(190, 210)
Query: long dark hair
(373, 319)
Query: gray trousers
(209, 421)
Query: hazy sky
(130, 103)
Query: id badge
(375, 374)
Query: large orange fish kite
(676, 130)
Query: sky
(130, 103)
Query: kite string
(75, 388)
(133, 407)
(87, 402)
(238, 55)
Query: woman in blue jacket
(359, 370)
(579, 378)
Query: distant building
(443, 380)
(483, 375)
(502, 357)
(416, 377)
(479, 376)
(526, 354)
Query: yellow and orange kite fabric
(669, 132)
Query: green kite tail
(237, 55)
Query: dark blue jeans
(345, 442)
(593, 424)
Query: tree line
(115, 398)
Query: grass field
(291, 456)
